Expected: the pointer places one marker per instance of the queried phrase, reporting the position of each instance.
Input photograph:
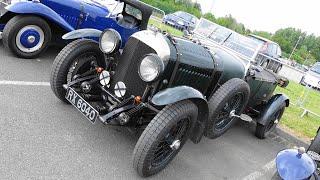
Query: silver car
(312, 77)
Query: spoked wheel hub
(170, 143)
(84, 63)
(231, 108)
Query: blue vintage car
(29, 26)
(181, 20)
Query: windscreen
(210, 34)
(316, 68)
(211, 31)
(243, 45)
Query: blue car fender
(273, 106)
(82, 33)
(180, 93)
(29, 7)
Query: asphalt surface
(42, 138)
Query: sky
(269, 15)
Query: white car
(312, 77)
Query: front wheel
(76, 58)
(27, 36)
(230, 99)
(263, 130)
(164, 137)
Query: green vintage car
(172, 88)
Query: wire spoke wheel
(230, 99)
(234, 104)
(74, 61)
(165, 149)
(262, 130)
(164, 137)
(81, 65)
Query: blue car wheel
(27, 36)
(30, 39)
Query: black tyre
(263, 130)
(231, 96)
(27, 36)
(315, 145)
(164, 137)
(75, 58)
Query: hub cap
(233, 106)
(170, 144)
(175, 145)
(30, 39)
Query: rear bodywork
(262, 82)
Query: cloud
(269, 15)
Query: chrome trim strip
(156, 41)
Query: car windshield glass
(212, 34)
(133, 12)
(211, 31)
(242, 45)
(184, 16)
(114, 7)
(316, 68)
(257, 40)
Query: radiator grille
(127, 68)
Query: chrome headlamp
(151, 67)
(110, 41)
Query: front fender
(29, 7)
(273, 105)
(180, 93)
(82, 33)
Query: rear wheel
(76, 58)
(231, 98)
(164, 137)
(263, 130)
(27, 36)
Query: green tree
(263, 34)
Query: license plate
(85, 108)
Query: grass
(165, 27)
(309, 124)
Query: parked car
(181, 20)
(29, 26)
(172, 88)
(298, 164)
(312, 77)
(270, 53)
